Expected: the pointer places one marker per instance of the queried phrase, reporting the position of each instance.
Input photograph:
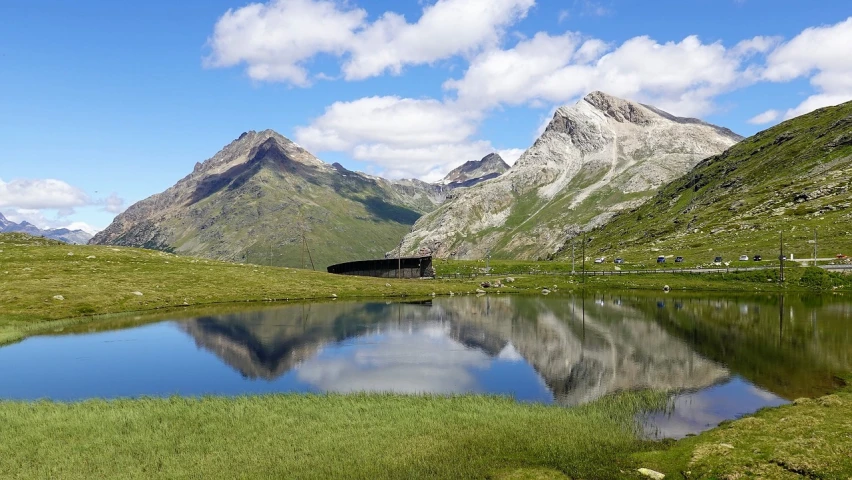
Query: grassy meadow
(49, 286)
(320, 436)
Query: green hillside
(793, 179)
(267, 201)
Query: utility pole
(781, 257)
(584, 257)
(815, 246)
(573, 242)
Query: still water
(722, 356)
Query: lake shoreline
(118, 285)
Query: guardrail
(695, 271)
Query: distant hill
(263, 199)
(61, 234)
(595, 158)
(794, 178)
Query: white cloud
(821, 54)
(41, 193)
(113, 203)
(276, 39)
(765, 117)
(391, 120)
(383, 363)
(445, 29)
(82, 226)
(510, 155)
(40, 220)
(403, 137)
(682, 77)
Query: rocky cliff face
(476, 171)
(61, 234)
(793, 177)
(595, 158)
(263, 199)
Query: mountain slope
(254, 200)
(794, 177)
(595, 158)
(476, 171)
(61, 234)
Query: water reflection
(727, 356)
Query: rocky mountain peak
(619, 109)
(475, 171)
(595, 158)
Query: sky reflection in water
(728, 356)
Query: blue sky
(104, 103)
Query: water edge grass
(321, 436)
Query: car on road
(840, 256)
(743, 258)
(678, 259)
(757, 258)
(661, 259)
(599, 260)
(619, 260)
(717, 260)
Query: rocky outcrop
(595, 158)
(476, 171)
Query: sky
(104, 103)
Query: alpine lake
(720, 356)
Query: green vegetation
(98, 280)
(320, 436)
(793, 178)
(397, 435)
(810, 438)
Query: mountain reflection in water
(721, 356)
(580, 348)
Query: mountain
(595, 158)
(61, 234)
(793, 178)
(263, 198)
(476, 171)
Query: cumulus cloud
(765, 117)
(41, 193)
(275, 39)
(390, 120)
(113, 203)
(445, 29)
(404, 137)
(510, 155)
(682, 77)
(820, 54)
